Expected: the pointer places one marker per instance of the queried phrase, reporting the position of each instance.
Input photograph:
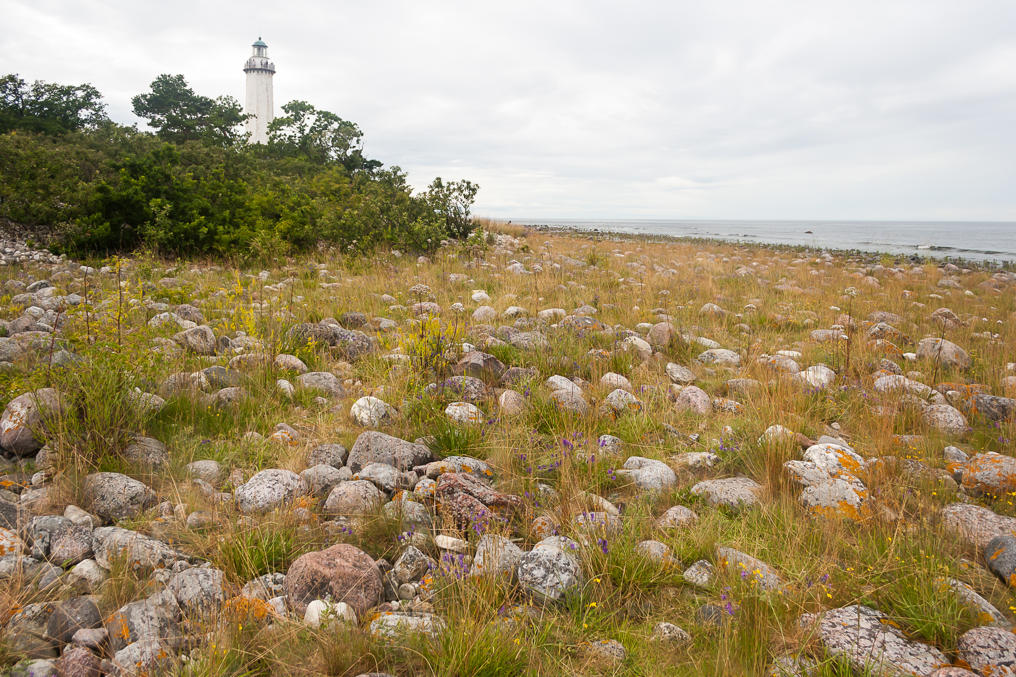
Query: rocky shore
(542, 453)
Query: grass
(895, 559)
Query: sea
(984, 241)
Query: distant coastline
(982, 243)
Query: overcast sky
(727, 109)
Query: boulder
(377, 447)
(115, 496)
(23, 421)
(943, 351)
(268, 490)
(342, 572)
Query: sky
(669, 109)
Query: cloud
(727, 109)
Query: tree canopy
(47, 107)
(178, 114)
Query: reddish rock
(470, 501)
(343, 572)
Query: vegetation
(895, 557)
(194, 186)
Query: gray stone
(355, 497)
(269, 489)
(147, 452)
(111, 543)
(730, 492)
(648, 473)
(1000, 557)
(114, 496)
(199, 340)
(328, 454)
(377, 447)
(496, 556)
(72, 615)
(323, 382)
(680, 374)
(24, 420)
(395, 626)
(989, 650)
(865, 638)
(941, 350)
(198, 590)
(372, 412)
(157, 617)
(412, 565)
(548, 573)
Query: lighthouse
(259, 105)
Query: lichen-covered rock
(411, 565)
(695, 400)
(372, 412)
(731, 492)
(395, 626)
(24, 420)
(199, 340)
(945, 418)
(570, 400)
(268, 490)
(111, 543)
(464, 412)
(941, 350)
(198, 590)
(496, 556)
(343, 572)
(323, 382)
(677, 517)
(147, 452)
(649, 473)
(868, 641)
(835, 498)
(989, 650)
(377, 447)
(989, 473)
(720, 356)
(548, 573)
(976, 524)
(680, 374)
(72, 615)
(354, 497)
(115, 496)
(154, 618)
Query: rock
(86, 576)
(464, 413)
(677, 517)
(511, 403)
(198, 590)
(570, 400)
(484, 315)
(548, 573)
(945, 418)
(835, 497)
(144, 657)
(377, 447)
(77, 661)
(25, 418)
(471, 502)
(989, 473)
(604, 652)
(988, 650)
(110, 543)
(147, 452)
(323, 382)
(868, 641)
(343, 572)
(656, 551)
(648, 473)
(700, 574)
(941, 350)
(465, 388)
(661, 334)
(995, 408)
(72, 615)
(371, 412)
(199, 340)
(679, 374)
(355, 497)
(731, 492)
(668, 632)
(154, 618)
(385, 477)
(328, 454)
(479, 365)
(114, 496)
(39, 667)
(411, 566)
(206, 469)
(496, 556)
(268, 489)
(695, 400)
(26, 631)
(620, 401)
(396, 626)
(720, 357)
(818, 376)
(986, 611)
(1000, 557)
(321, 478)
(287, 362)
(319, 612)
(640, 347)
(977, 525)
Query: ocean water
(976, 240)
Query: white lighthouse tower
(259, 104)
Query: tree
(452, 201)
(179, 114)
(49, 108)
(318, 135)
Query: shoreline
(867, 255)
